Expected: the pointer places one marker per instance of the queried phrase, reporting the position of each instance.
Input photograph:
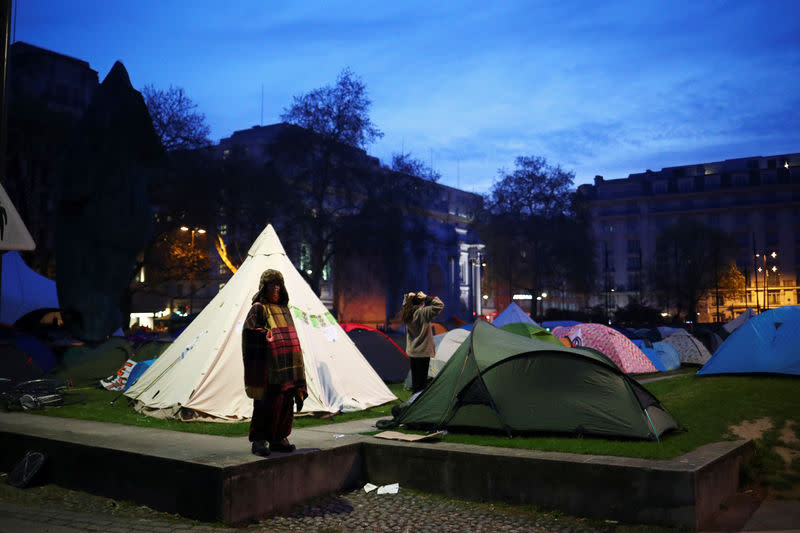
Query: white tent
(446, 345)
(23, 289)
(13, 233)
(202, 373)
(445, 348)
(731, 326)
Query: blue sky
(607, 88)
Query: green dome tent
(502, 381)
(532, 331)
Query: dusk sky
(608, 88)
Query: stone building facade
(754, 199)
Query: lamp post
(765, 270)
(199, 231)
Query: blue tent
(23, 289)
(766, 343)
(663, 356)
(137, 371)
(552, 324)
(512, 313)
(667, 354)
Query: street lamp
(763, 269)
(199, 231)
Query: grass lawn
(704, 407)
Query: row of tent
(199, 374)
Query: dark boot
(259, 447)
(283, 446)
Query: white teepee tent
(201, 373)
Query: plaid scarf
(271, 350)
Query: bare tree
(407, 164)
(321, 158)
(175, 120)
(528, 213)
(339, 113)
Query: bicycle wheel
(25, 470)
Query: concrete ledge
(213, 478)
(681, 492)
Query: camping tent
(446, 346)
(23, 289)
(767, 343)
(512, 313)
(387, 358)
(610, 343)
(13, 233)
(502, 381)
(746, 315)
(689, 348)
(201, 373)
(34, 347)
(552, 324)
(661, 354)
(532, 331)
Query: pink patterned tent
(611, 343)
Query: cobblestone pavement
(56, 510)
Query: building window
(223, 269)
(634, 263)
(633, 246)
(741, 179)
(713, 221)
(717, 299)
(773, 297)
(632, 225)
(608, 228)
(686, 186)
(660, 187)
(712, 181)
(222, 229)
(226, 153)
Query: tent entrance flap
(477, 393)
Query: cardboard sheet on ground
(396, 435)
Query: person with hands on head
(274, 375)
(418, 312)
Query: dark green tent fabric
(87, 366)
(532, 331)
(502, 381)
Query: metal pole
(755, 271)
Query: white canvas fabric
(445, 348)
(13, 233)
(202, 371)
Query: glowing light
(184, 228)
(522, 297)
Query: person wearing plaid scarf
(274, 376)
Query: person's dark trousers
(272, 417)
(419, 372)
